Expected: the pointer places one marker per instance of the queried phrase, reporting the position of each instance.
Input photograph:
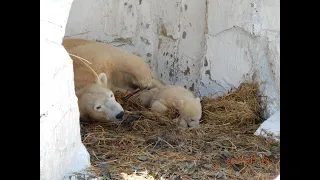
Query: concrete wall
(61, 149)
(209, 46)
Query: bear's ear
(102, 79)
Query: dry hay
(223, 147)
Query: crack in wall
(226, 82)
(206, 29)
(179, 40)
(76, 34)
(234, 28)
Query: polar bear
(162, 96)
(97, 102)
(107, 59)
(189, 107)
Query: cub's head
(98, 102)
(190, 110)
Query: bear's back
(99, 54)
(174, 92)
(101, 57)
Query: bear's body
(160, 98)
(107, 59)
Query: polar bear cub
(163, 96)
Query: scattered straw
(85, 62)
(223, 147)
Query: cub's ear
(102, 79)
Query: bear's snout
(120, 115)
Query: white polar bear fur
(189, 107)
(107, 59)
(163, 96)
(96, 102)
(125, 82)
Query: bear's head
(190, 111)
(98, 102)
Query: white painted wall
(61, 149)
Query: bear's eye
(111, 95)
(98, 107)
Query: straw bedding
(148, 145)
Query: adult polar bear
(111, 64)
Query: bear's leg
(158, 107)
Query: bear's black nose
(120, 115)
